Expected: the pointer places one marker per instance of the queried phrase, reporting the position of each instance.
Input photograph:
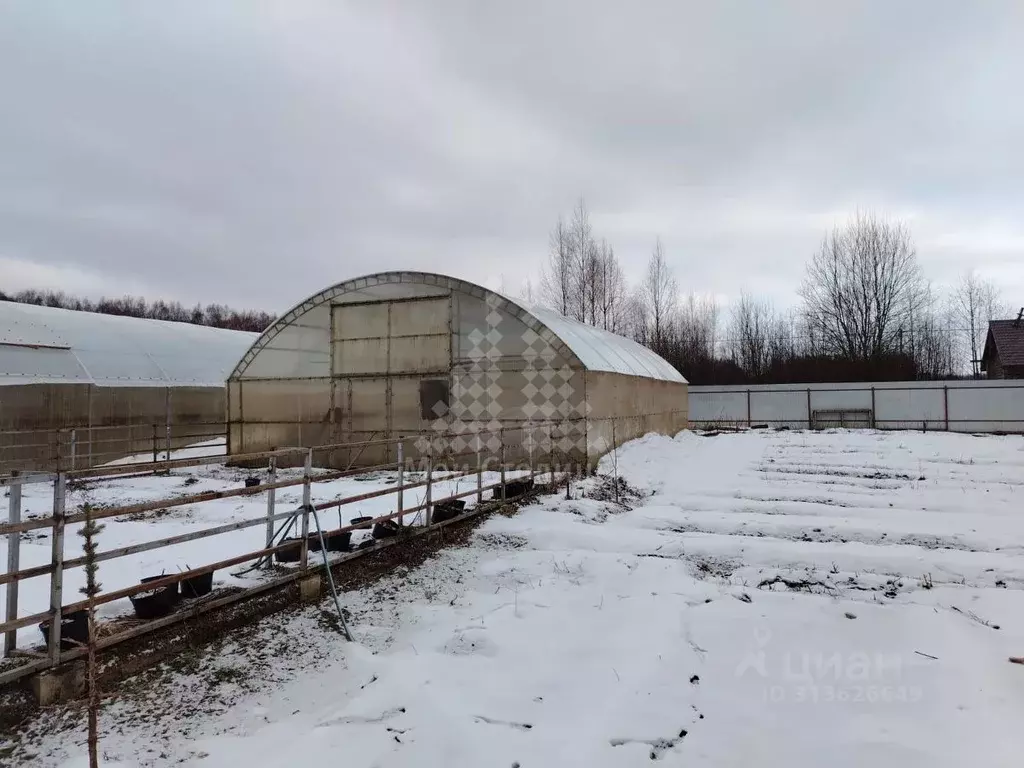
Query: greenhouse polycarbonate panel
(360, 321)
(106, 350)
(601, 350)
(420, 317)
(515, 335)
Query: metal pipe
(330, 578)
(13, 563)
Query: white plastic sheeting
(601, 350)
(44, 345)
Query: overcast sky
(254, 152)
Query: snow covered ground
(768, 598)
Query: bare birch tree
(556, 284)
(612, 291)
(972, 304)
(862, 288)
(661, 294)
(582, 254)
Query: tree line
(213, 315)
(866, 310)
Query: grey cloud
(252, 153)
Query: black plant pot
(197, 586)
(386, 529)
(171, 589)
(338, 542)
(446, 510)
(361, 523)
(514, 488)
(159, 602)
(73, 627)
(252, 482)
(291, 553)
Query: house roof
(1006, 340)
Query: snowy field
(766, 599)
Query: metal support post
(810, 416)
(307, 471)
(156, 456)
(400, 504)
(167, 421)
(427, 511)
(74, 448)
(57, 561)
(479, 473)
(750, 421)
(531, 452)
(551, 453)
(13, 562)
(945, 405)
(271, 502)
(501, 435)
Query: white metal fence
(958, 406)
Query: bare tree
(582, 251)
(693, 333)
(862, 288)
(972, 304)
(612, 291)
(556, 283)
(661, 294)
(634, 317)
(759, 338)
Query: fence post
(271, 504)
(874, 424)
(531, 452)
(307, 470)
(501, 436)
(479, 473)
(74, 448)
(427, 512)
(551, 453)
(749, 420)
(57, 563)
(167, 422)
(810, 417)
(945, 405)
(155, 456)
(400, 505)
(13, 561)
